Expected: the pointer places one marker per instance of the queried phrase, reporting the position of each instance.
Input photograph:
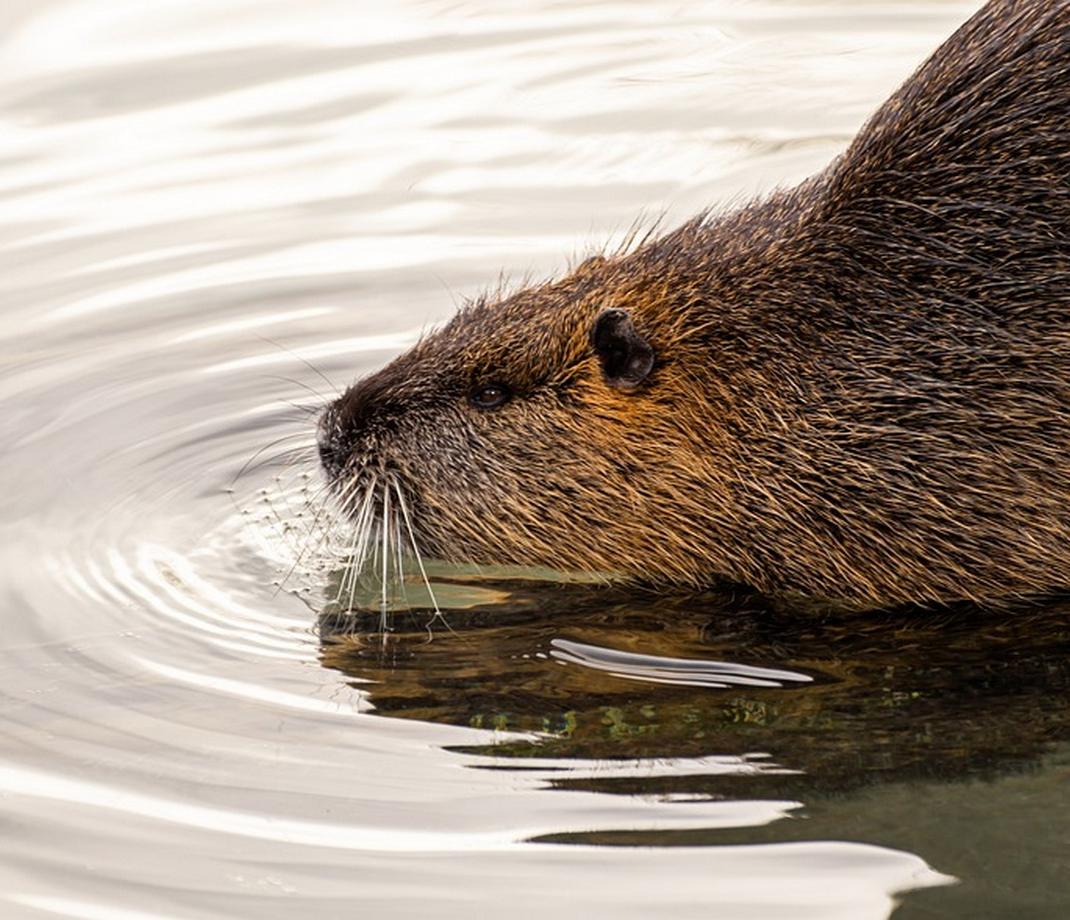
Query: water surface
(197, 203)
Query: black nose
(355, 421)
(331, 444)
(330, 458)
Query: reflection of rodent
(899, 697)
(857, 389)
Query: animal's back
(932, 346)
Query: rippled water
(201, 200)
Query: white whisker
(399, 557)
(355, 549)
(386, 555)
(416, 555)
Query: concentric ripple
(214, 217)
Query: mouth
(375, 510)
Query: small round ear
(626, 356)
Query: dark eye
(490, 395)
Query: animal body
(856, 389)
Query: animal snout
(331, 444)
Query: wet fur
(862, 384)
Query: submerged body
(856, 389)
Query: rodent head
(851, 389)
(553, 427)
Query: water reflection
(882, 726)
(847, 701)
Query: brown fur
(861, 388)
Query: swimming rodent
(856, 389)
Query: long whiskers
(358, 547)
(419, 559)
(385, 528)
(359, 532)
(312, 367)
(287, 456)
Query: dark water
(197, 203)
(943, 734)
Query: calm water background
(198, 198)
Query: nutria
(856, 389)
